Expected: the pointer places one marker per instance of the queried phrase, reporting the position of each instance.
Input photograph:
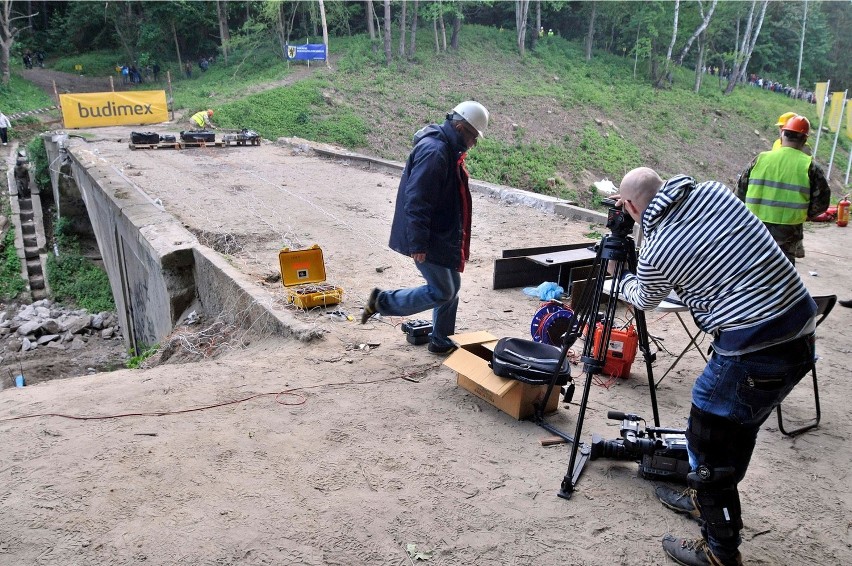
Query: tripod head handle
(621, 416)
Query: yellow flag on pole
(835, 110)
(819, 97)
(849, 120)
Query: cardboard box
(514, 397)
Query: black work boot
(372, 306)
(679, 501)
(694, 552)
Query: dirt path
(374, 448)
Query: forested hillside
(578, 90)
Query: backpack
(529, 362)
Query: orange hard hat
(209, 112)
(782, 119)
(798, 124)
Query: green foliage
(95, 64)
(37, 155)
(11, 282)
(134, 362)
(75, 279)
(297, 110)
(19, 96)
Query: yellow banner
(835, 110)
(819, 97)
(114, 108)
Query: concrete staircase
(32, 251)
(30, 239)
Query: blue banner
(306, 52)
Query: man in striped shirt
(703, 243)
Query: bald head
(637, 189)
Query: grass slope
(558, 122)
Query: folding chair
(824, 305)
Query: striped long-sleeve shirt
(702, 242)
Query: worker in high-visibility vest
(782, 119)
(201, 120)
(784, 187)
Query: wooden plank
(520, 272)
(576, 256)
(522, 252)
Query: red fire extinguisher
(843, 211)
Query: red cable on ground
(277, 395)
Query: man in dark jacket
(432, 222)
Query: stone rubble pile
(44, 325)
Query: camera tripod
(619, 248)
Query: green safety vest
(779, 189)
(198, 118)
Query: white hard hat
(474, 114)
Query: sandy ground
(376, 448)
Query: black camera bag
(144, 138)
(528, 362)
(198, 136)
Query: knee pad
(715, 481)
(718, 501)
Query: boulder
(29, 327)
(50, 326)
(77, 344)
(47, 338)
(76, 323)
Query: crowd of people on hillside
(776, 86)
(131, 74)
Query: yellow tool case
(303, 275)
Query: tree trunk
(324, 31)
(740, 47)
(388, 51)
(224, 36)
(412, 48)
(754, 37)
(749, 41)
(402, 32)
(665, 75)
(7, 38)
(443, 31)
(537, 30)
(705, 21)
(699, 72)
(522, 8)
(177, 48)
(371, 28)
(435, 28)
(636, 51)
(454, 39)
(590, 35)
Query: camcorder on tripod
(660, 452)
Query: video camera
(660, 452)
(617, 220)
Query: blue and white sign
(306, 52)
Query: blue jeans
(440, 293)
(744, 390)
